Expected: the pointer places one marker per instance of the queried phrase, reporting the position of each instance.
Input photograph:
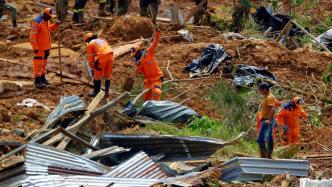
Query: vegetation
(327, 74)
(235, 106)
(206, 127)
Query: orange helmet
(50, 12)
(87, 36)
(297, 101)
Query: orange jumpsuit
(100, 57)
(151, 71)
(291, 118)
(40, 39)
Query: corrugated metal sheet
(66, 105)
(173, 148)
(252, 169)
(305, 182)
(167, 111)
(14, 181)
(139, 166)
(78, 181)
(40, 157)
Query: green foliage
(327, 74)
(18, 118)
(221, 24)
(316, 118)
(206, 127)
(298, 2)
(252, 29)
(233, 105)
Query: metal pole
(310, 35)
(59, 51)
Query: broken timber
(86, 118)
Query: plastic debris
(32, 102)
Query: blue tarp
(211, 58)
(167, 111)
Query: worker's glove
(58, 22)
(285, 128)
(96, 65)
(35, 51)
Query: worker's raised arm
(34, 35)
(155, 42)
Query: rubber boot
(96, 88)
(81, 17)
(107, 88)
(269, 152)
(43, 80)
(102, 10)
(14, 23)
(262, 151)
(38, 83)
(75, 18)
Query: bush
(236, 107)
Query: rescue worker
(40, 39)
(202, 13)
(289, 120)
(122, 5)
(61, 7)
(13, 11)
(78, 16)
(144, 8)
(100, 57)
(102, 8)
(240, 14)
(265, 135)
(147, 65)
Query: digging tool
(129, 83)
(59, 51)
(89, 69)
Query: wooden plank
(284, 31)
(74, 128)
(123, 49)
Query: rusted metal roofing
(138, 166)
(40, 157)
(78, 181)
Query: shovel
(130, 108)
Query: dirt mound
(131, 27)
